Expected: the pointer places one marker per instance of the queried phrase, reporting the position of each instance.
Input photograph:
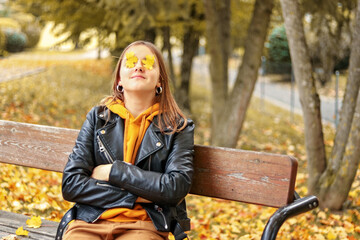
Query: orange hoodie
(135, 129)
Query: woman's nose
(139, 66)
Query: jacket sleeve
(78, 185)
(169, 187)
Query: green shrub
(30, 26)
(15, 41)
(279, 60)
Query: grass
(60, 96)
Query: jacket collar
(105, 114)
(150, 143)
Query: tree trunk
(232, 114)
(328, 47)
(327, 59)
(167, 47)
(217, 14)
(99, 37)
(336, 182)
(190, 46)
(310, 101)
(150, 35)
(335, 186)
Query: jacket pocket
(160, 216)
(160, 210)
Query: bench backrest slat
(35, 146)
(246, 176)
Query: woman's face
(139, 70)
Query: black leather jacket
(162, 172)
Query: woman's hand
(102, 172)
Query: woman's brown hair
(169, 114)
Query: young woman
(131, 166)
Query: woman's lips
(138, 76)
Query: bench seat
(10, 222)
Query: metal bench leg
(297, 207)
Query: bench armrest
(297, 207)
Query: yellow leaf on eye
(21, 232)
(131, 59)
(149, 61)
(34, 222)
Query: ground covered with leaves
(63, 94)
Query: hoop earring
(158, 90)
(119, 88)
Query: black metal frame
(300, 205)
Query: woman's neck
(136, 104)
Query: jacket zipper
(160, 210)
(98, 217)
(103, 184)
(107, 185)
(149, 162)
(104, 150)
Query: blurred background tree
(229, 106)
(328, 35)
(330, 177)
(179, 24)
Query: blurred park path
(288, 98)
(49, 55)
(16, 72)
(282, 95)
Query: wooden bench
(243, 176)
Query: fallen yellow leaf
(21, 232)
(10, 237)
(331, 235)
(34, 222)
